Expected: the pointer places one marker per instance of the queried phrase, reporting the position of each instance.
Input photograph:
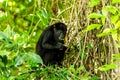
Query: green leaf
(18, 61)
(94, 78)
(103, 20)
(89, 46)
(112, 9)
(116, 57)
(95, 15)
(115, 1)
(114, 19)
(117, 25)
(82, 54)
(32, 58)
(93, 26)
(94, 3)
(107, 67)
(71, 68)
(80, 68)
(86, 76)
(105, 32)
(2, 35)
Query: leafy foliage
(93, 26)
(109, 13)
(22, 21)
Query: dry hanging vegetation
(84, 47)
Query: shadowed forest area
(92, 39)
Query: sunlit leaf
(94, 3)
(116, 56)
(112, 9)
(115, 35)
(117, 25)
(95, 15)
(115, 1)
(107, 67)
(114, 19)
(71, 68)
(105, 32)
(93, 26)
(103, 20)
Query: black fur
(50, 45)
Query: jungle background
(92, 39)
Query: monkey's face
(59, 35)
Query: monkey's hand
(60, 46)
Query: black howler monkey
(50, 45)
